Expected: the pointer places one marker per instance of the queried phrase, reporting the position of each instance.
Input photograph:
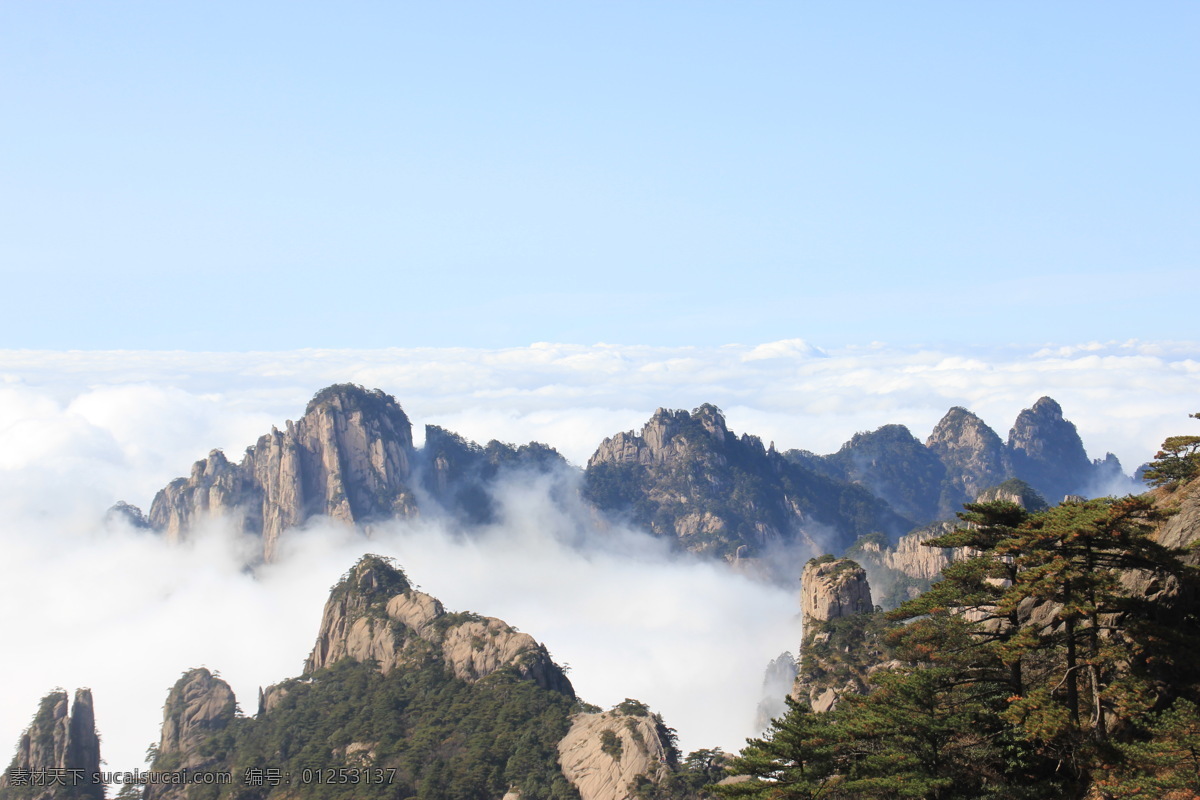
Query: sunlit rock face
(833, 589)
(685, 476)
(603, 754)
(973, 455)
(374, 615)
(350, 458)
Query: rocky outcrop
(973, 456)
(199, 706)
(58, 756)
(834, 659)
(1045, 450)
(833, 588)
(604, 754)
(349, 458)
(374, 615)
(686, 476)
(1014, 491)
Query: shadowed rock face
(62, 742)
(1045, 451)
(349, 458)
(375, 615)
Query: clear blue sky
(239, 176)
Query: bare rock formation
(832, 588)
(349, 458)
(973, 455)
(604, 754)
(198, 706)
(374, 614)
(686, 476)
(58, 755)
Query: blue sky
(220, 176)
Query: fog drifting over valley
(83, 603)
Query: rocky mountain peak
(374, 614)
(60, 741)
(198, 704)
(349, 398)
(894, 466)
(973, 455)
(1045, 450)
(349, 458)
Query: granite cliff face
(199, 706)
(604, 754)
(688, 477)
(835, 605)
(373, 614)
(57, 744)
(972, 454)
(349, 458)
(831, 589)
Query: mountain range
(684, 477)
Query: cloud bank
(82, 603)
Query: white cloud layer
(117, 610)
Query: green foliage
(1022, 674)
(1166, 763)
(633, 708)
(446, 739)
(610, 744)
(1176, 462)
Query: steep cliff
(374, 615)
(973, 456)
(688, 477)
(831, 588)
(605, 754)
(349, 458)
(58, 755)
(1045, 450)
(840, 646)
(199, 707)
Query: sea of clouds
(84, 603)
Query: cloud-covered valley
(85, 603)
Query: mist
(89, 603)
(121, 611)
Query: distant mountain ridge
(685, 476)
